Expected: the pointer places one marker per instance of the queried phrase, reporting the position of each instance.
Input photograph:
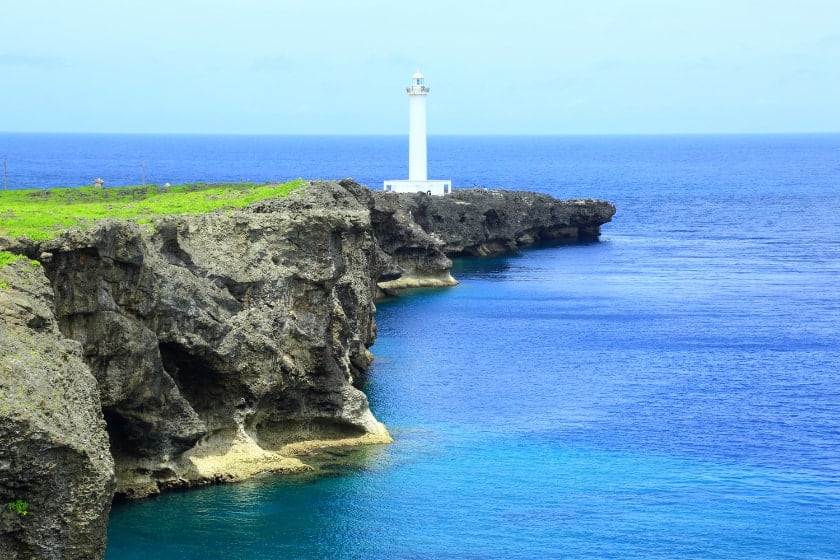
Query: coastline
(232, 343)
(237, 460)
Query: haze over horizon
(324, 67)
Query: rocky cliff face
(219, 340)
(223, 345)
(421, 232)
(56, 473)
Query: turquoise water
(600, 413)
(669, 392)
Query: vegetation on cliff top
(41, 214)
(8, 258)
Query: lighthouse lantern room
(417, 175)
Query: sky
(493, 66)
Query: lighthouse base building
(429, 187)
(417, 179)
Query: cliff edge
(423, 232)
(223, 343)
(209, 348)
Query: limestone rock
(472, 222)
(422, 232)
(217, 346)
(243, 330)
(54, 459)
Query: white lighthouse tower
(417, 175)
(417, 93)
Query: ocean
(672, 391)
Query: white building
(417, 177)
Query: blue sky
(494, 67)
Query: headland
(197, 349)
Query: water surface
(671, 391)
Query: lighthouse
(417, 93)
(417, 173)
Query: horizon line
(382, 134)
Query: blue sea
(672, 391)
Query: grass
(41, 214)
(20, 507)
(8, 258)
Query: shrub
(20, 507)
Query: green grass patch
(41, 214)
(7, 258)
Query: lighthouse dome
(417, 76)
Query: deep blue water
(669, 392)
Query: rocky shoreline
(210, 348)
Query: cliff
(56, 474)
(422, 232)
(218, 346)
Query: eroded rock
(56, 472)
(230, 333)
(217, 346)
